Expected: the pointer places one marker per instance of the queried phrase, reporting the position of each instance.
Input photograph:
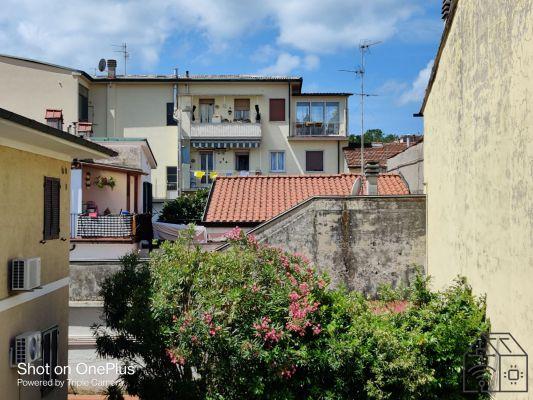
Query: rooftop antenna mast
(364, 47)
(123, 49)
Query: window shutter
(147, 197)
(242, 104)
(52, 189)
(170, 115)
(314, 161)
(277, 109)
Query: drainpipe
(175, 94)
(289, 84)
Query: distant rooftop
(255, 199)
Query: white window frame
(270, 161)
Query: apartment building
(198, 126)
(35, 161)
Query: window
(83, 104)
(207, 109)
(170, 115)
(277, 161)
(332, 118)
(172, 178)
(49, 346)
(52, 188)
(317, 118)
(277, 110)
(302, 112)
(147, 197)
(314, 161)
(242, 110)
(207, 162)
(242, 161)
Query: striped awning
(225, 144)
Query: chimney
(446, 5)
(112, 69)
(54, 118)
(372, 172)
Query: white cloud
(311, 62)
(284, 64)
(418, 87)
(78, 32)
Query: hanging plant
(102, 181)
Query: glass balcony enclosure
(317, 118)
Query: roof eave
(434, 70)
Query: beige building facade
(33, 226)
(478, 155)
(198, 127)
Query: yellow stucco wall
(21, 212)
(478, 159)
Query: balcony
(225, 135)
(306, 129)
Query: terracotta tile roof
(377, 154)
(255, 199)
(53, 114)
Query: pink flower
(293, 296)
(234, 234)
(208, 318)
(289, 372)
(321, 283)
(255, 288)
(171, 356)
(317, 329)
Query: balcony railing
(226, 130)
(316, 129)
(102, 226)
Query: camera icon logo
(495, 363)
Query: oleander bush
(254, 322)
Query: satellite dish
(102, 65)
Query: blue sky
(308, 38)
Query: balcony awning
(225, 136)
(225, 144)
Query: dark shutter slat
(52, 204)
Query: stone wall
(361, 242)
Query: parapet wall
(361, 242)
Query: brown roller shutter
(277, 109)
(242, 104)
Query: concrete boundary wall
(360, 241)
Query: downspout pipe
(175, 94)
(290, 100)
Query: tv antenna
(364, 47)
(123, 49)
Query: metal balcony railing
(316, 129)
(103, 226)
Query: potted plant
(102, 181)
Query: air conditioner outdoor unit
(27, 348)
(25, 273)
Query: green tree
(185, 209)
(254, 322)
(372, 135)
